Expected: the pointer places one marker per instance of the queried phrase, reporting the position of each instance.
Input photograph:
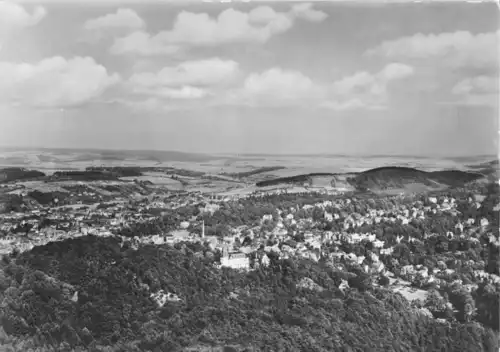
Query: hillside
(384, 178)
(265, 310)
(399, 177)
(298, 179)
(18, 173)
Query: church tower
(225, 252)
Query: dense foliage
(18, 173)
(10, 202)
(298, 179)
(253, 172)
(120, 171)
(265, 309)
(84, 175)
(388, 177)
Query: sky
(277, 77)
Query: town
(318, 230)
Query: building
(235, 260)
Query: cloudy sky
(253, 77)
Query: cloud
(364, 89)
(184, 92)
(479, 90)
(280, 87)
(350, 104)
(188, 80)
(212, 80)
(275, 87)
(395, 71)
(476, 85)
(460, 49)
(150, 104)
(202, 72)
(143, 43)
(230, 26)
(54, 82)
(122, 18)
(305, 11)
(15, 17)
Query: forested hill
(387, 177)
(82, 293)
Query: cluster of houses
(235, 253)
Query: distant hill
(83, 155)
(489, 164)
(298, 179)
(90, 175)
(120, 171)
(490, 168)
(18, 173)
(384, 178)
(401, 177)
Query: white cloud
(142, 43)
(396, 71)
(188, 80)
(350, 104)
(305, 11)
(279, 87)
(287, 84)
(184, 92)
(477, 85)
(230, 26)
(364, 89)
(151, 104)
(273, 87)
(122, 18)
(15, 17)
(54, 82)
(276, 87)
(458, 49)
(193, 73)
(479, 90)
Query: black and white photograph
(248, 175)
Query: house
(484, 222)
(265, 260)
(343, 285)
(267, 217)
(235, 260)
(328, 217)
(161, 298)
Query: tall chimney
(203, 229)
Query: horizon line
(21, 148)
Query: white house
(265, 260)
(267, 217)
(235, 260)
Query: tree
(383, 280)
